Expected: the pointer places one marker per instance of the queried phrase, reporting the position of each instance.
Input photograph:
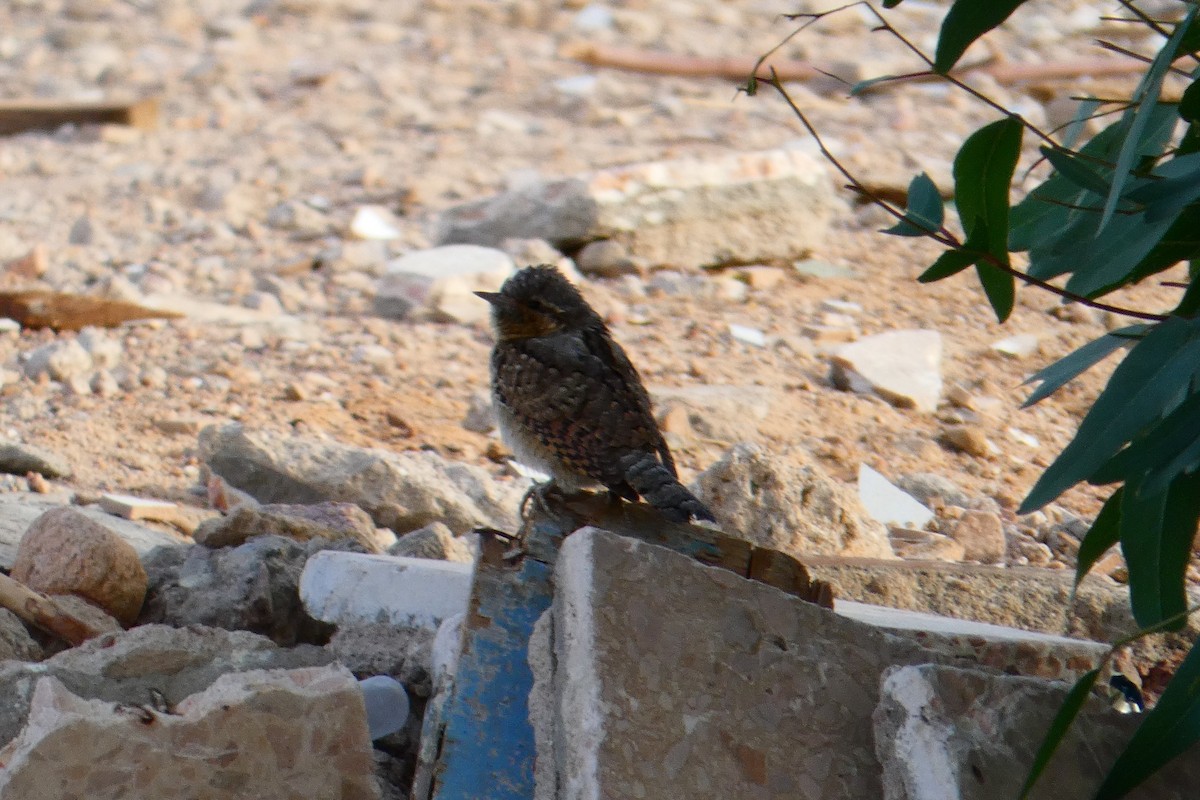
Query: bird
(570, 404)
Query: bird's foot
(537, 496)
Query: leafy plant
(1115, 211)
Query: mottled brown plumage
(569, 402)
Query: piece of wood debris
(39, 308)
(40, 610)
(735, 68)
(17, 116)
(134, 508)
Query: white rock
(903, 367)
(441, 283)
(62, 361)
(104, 350)
(447, 644)
(355, 588)
(748, 335)
(888, 503)
(1027, 439)
(374, 222)
(1019, 346)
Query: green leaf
(1074, 129)
(1189, 103)
(1000, 288)
(891, 3)
(1039, 221)
(1151, 380)
(1058, 727)
(1074, 364)
(1169, 729)
(1104, 533)
(1099, 261)
(1180, 242)
(1138, 117)
(1165, 451)
(1172, 186)
(866, 84)
(1156, 539)
(1074, 169)
(948, 263)
(966, 21)
(983, 171)
(1189, 304)
(924, 212)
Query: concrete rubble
(743, 208)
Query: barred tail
(659, 487)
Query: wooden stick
(738, 69)
(33, 115)
(42, 611)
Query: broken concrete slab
(944, 733)
(357, 589)
(1029, 598)
(272, 735)
(672, 679)
(743, 208)
(401, 491)
(903, 367)
(1008, 650)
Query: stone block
(356, 589)
(439, 284)
(739, 209)
(270, 735)
(944, 733)
(674, 679)
(902, 367)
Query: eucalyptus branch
(943, 235)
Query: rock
(960, 734)
(19, 510)
(326, 520)
(981, 534)
(481, 414)
(130, 507)
(104, 350)
(924, 545)
(440, 283)
(1019, 346)
(723, 683)
(64, 552)
(605, 258)
(82, 231)
(795, 508)
(727, 413)
(374, 222)
(250, 734)
(20, 459)
(97, 618)
(381, 648)
(888, 504)
(815, 268)
(304, 221)
(15, 642)
(902, 367)
(252, 587)
(61, 361)
(744, 207)
(435, 541)
(968, 439)
(124, 666)
(401, 491)
(354, 589)
(747, 335)
(930, 489)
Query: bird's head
(538, 301)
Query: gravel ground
(280, 118)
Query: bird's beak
(492, 297)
